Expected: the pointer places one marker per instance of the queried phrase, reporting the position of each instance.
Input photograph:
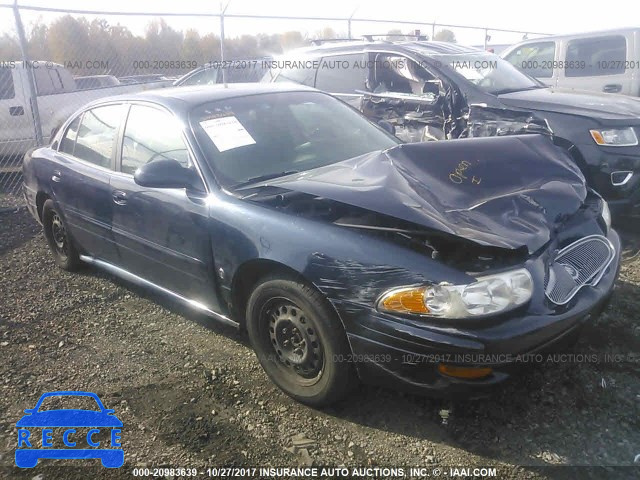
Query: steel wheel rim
(59, 235)
(294, 340)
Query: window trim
(86, 162)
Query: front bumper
(404, 354)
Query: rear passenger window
(6, 84)
(96, 134)
(151, 134)
(598, 56)
(342, 74)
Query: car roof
(421, 47)
(184, 98)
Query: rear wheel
(64, 251)
(299, 341)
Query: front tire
(299, 341)
(60, 242)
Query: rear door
(81, 180)
(162, 233)
(597, 63)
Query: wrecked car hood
(603, 106)
(508, 192)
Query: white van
(606, 61)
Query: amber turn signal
(405, 300)
(464, 372)
(597, 137)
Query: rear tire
(299, 341)
(60, 242)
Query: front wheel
(299, 341)
(64, 251)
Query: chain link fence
(10, 151)
(53, 61)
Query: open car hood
(508, 192)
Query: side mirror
(166, 173)
(388, 126)
(29, 410)
(109, 411)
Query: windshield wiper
(262, 178)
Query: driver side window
(151, 134)
(397, 74)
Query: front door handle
(612, 88)
(16, 111)
(56, 177)
(119, 197)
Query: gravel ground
(191, 393)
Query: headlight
(606, 214)
(488, 295)
(615, 137)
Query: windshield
(488, 72)
(69, 402)
(253, 138)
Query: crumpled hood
(505, 192)
(602, 106)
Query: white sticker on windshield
(227, 133)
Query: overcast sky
(548, 16)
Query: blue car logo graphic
(69, 425)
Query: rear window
(6, 84)
(301, 71)
(206, 76)
(591, 57)
(91, 136)
(341, 74)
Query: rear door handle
(612, 88)
(119, 197)
(56, 177)
(16, 111)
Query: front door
(162, 233)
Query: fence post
(224, 70)
(349, 21)
(28, 69)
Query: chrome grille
(579, 264)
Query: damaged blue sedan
(344, 254)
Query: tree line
(92, 47)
